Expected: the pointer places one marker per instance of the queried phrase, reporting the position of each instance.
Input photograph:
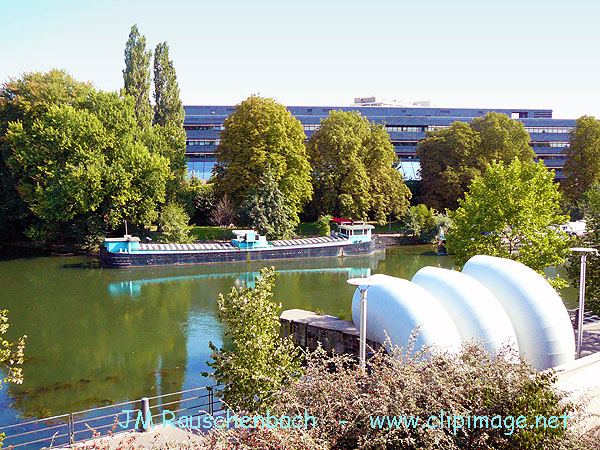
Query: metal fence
(67, 429)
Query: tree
(168, 108)
(353, 173)
(222, 214)
(450, 158)
(256, 361)
(23, 99)
(79, 165)
(169, 135)
(323, 225)
(259, 136)
(511, 211)
(266, 211)
(591, 208)
(424, 224)
(582, 165)
(174, 223)
(137, 75)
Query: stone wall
(335, 335)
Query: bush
(424, 224)
(189, 190)
(470, 383)
(222, 214)
(323, 225)
(204, 202)
(174, 223)
(256, 361)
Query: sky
(459, 53)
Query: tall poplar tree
(168, 108)
(169, 115)
(137, 75)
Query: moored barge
(352, 238)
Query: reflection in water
(134, 287)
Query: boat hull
(149, 258)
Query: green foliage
(204, 202)
(267, 211)
(256, 361)
(324, 225)
(12, 355)
(471, 383)
(81, 165)
(169, 135)
(174, 223)
(190, 188)
(591, 207)
(222, 215)
(582, 165)
(511, 211)
(425, 224)
(262, 136)
(136, 76)
(353, 173)
(450, 158)
(168, 108)
(22, 100)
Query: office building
(406, 123)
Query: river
(101, 336)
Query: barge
(352, 238)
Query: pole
(125, 228)
(581, 304)
(363, 328)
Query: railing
(588, 317)
(68, 429)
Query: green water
(101, 336)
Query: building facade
(406, 125)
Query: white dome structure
(496, 300)
(539, 317)
(396, 307)
(473, 308)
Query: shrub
(468, 384)
(256, 361)
(424, 224)
(204, 202)
(174, 223)
(323, 225)
(222, 214)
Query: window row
(553, 144)
(407, 129)
(549, 129)
(404, 143)
(193, 142)
(311, 127)
(204, 127)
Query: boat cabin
(125, 244)
(356, 231)
(249, 239)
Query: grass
(205, 233)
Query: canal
(100, 336)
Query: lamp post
(363, 285)
(584, 252)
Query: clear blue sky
(513, 54)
